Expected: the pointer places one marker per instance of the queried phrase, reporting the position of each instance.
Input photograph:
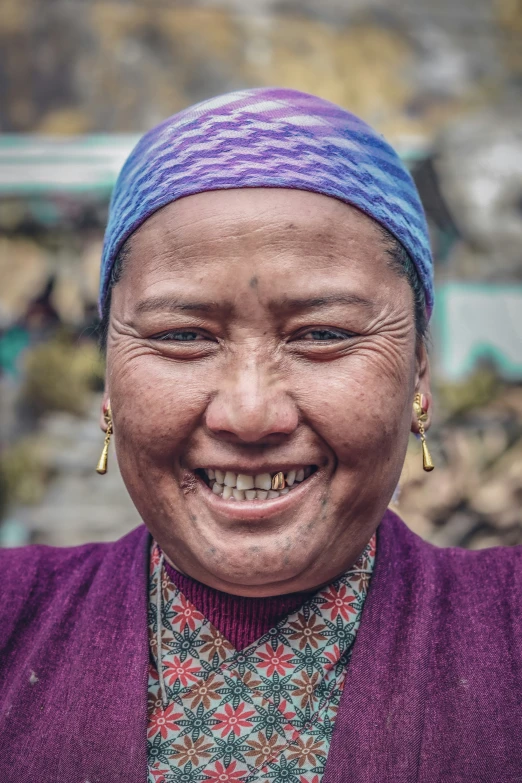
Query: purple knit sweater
(240, 620)
(433, 691)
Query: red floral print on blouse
(261, 715)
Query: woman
(265, 292)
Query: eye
(325, 335)
(180, 336)
(185, 344)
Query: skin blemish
(253, 282)
(188, 484)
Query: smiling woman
(250, 364)
(266, 287)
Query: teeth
(263, 481)
(241, 486)
(244, 481)
(278, 481)
(230, 479)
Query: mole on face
(253, 282)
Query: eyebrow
(315, 302)
(170, 304)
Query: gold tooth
(278, 481)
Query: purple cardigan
(433, 691)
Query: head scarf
(268, 137)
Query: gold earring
(101, 467)
(278, 482)
(427, 462)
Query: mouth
(254, 487)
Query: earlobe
(421, 411)
(423, 389)
(105, 406)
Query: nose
(252, 405)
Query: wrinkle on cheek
(127, 357)
(387, 358)
(123, 350)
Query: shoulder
(491, 568)
(38, 577)
(461, 589)
(497, 568)
(35, 565)
(25, 564)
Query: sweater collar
(239, 619)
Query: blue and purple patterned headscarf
(261, 138)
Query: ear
(104, 406)
(422, 387)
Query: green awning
(33, 165)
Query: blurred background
(80, 80)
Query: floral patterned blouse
(264, 714)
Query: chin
(255, 574)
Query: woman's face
(252, 332)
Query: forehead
(259, 249)
(252, 219)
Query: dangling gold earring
(101, 467)
(427, 462)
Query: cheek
(158, 403)
(360, 412)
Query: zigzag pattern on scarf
(268, 138)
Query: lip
(256, 510)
